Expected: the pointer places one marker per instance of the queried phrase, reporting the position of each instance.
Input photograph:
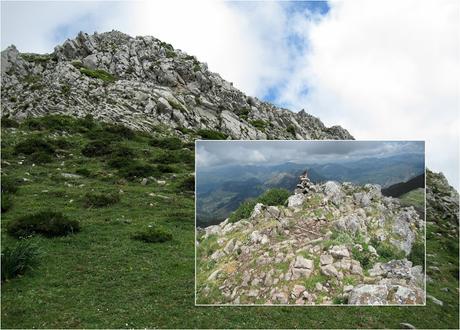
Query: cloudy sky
(382, 69)
(216, 153)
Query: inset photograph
(310, 223)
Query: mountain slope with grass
(115, 272)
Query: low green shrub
(97, 148)
(46, 223)
(137, 170)
(387, 251)
(208, 134)
(417, 254)
(166, 157)
(154, 233)
(98, 74)
(19, 258)
(9, 123)
(62, 143)
(164, 168)
(188, 184)
(171, 143)
(83, 172)
(363, 256)
(9, 184)
(120, 131)
(122, 157)
(243, 211)
(32, 145)
(96, 200)
(275, 196)
(291, 129)
(261, 125)
(40, 157)
(7, 202)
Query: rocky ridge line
(142, 82)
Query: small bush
(9, 185)
(46, 223)
(163, 168)
(7, 202)
(291, 129)
(417, 254)
(32, 145)
(243, 211)
(121, 162)
(388, 251)
(86, 122)
(98, 74)
(40, 157)
(120, 131)
(18, 259)
(83, 172)
(261, 125)
(171, 143)
(154, 234)
(364, 257)
(167, 157)
(188, 183)
(9, 123)
(63, 144)
(275, 196)
(100, 199)
(137, 170)
(208, 134)
(97, 148)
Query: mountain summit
(142, 82)
(330, 243)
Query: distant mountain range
(220, 190)
(402, 188)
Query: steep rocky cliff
(331, 244)
(142, 82)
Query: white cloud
(381, 69)
(386, 70)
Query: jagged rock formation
(333, 244)
(142, 82)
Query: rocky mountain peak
(143, 82)
(332, 243)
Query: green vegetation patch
(171, 143)
(243, 211)
(97, 148)
(100, 199)
(261, 125)
(98, 74)
(275, 196)
(46, 223)
(208, 134)
(32, 145)
(36, 58)
(9, 123)
(154, 233)
(19, 258)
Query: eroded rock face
(368, 294)
(153, 84)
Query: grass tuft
(19, 258)
(154, 233)
(46, 223)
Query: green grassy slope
(102, 278)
